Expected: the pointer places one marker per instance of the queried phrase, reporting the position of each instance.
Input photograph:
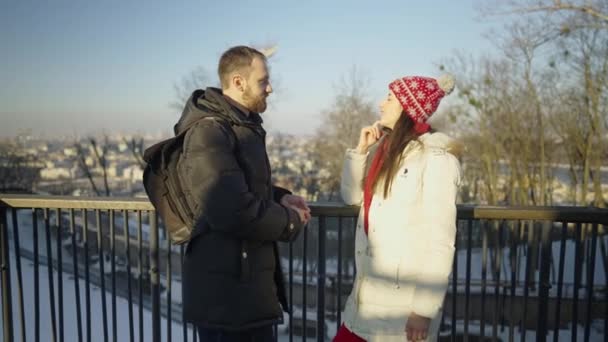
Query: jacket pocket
(382, 270)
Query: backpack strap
(228, 127)
(233, 139)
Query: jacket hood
(212, 103)
(442, 141)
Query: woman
(407, 178)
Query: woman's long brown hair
(397, 140)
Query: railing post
(544, 282)
(7, 317)
(321, 281)
(154, 277)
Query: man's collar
(237, 105)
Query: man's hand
(417, 327)
(298, 204)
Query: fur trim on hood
(442, 141)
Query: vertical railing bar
(590, 279)
(528, 249)
(604, 255)
(304, 284)
(454, 288)
(36, 276)
(484, 275)
(291, 310)
(19, 274)
(505, 295)
(496, 276)
(513, 257)
(503, 298)
(49, 252)
(59, 224)
(102, 274)
(339, 275)
(468, 281)
(501, 244)
(155, 277)
(560, 280)
(169, 289)
(275, 332)
(321, 277)
(113, 274)
(184, 323)
(604, 227)
(544, 281)
(140, 270)
(87, 282)
(577, 279)
(129, 287)
(76, 275)
(527, 231)
(7, 305)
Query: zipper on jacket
(245, 269)
(397, 285)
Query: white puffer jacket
(403, 265)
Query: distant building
(55, 173)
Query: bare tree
(340, 127)
(196, 79)
(578, 34)
(19, 171)
(136, 146)
(100, 153)
(482, 120)
(541, 101)
(81, 155)
(597, 10)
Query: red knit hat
(420, 96)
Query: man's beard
(255, 104)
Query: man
(232, 281)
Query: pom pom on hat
(446, 83)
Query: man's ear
(238, 82)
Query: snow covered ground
(599, 272)
(595, 333)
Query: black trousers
(262, 334)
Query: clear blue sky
(83, 66)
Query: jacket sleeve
(441, 180)
(217, 186)
(353, 172)
(278, 193)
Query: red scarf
(368, 191)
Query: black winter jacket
(232, 276)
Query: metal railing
(532, 272)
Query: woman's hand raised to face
(369, 135)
